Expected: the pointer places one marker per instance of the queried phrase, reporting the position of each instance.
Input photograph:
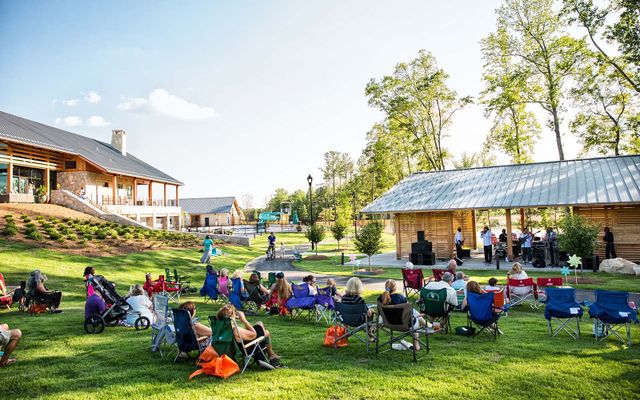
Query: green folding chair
(223, 341)
(433, 304)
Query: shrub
(122, 231)
(64, 229)
(87, 236)
(30, 225)
(139, 235)
(339, 229)
(101, 234)
(113, 233)
(579, 235)
(8, 216)
(82, 242)
(54, 220)
(10, 230)
(54, 234)
(34, 235)
(40, 218)
(47, 225)
(66, 220)
(315, 234)
(369, 240)
(72, 236)
(25, 218)
(127, 236)
(60, 239)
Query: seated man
(445, 283)
(248, 332)
(461, 281)
(9, 339)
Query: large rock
(619, 266)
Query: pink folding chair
(522, 290)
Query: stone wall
(240, 240)
(93, 184)
(67, 199)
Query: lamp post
(310, 181)
(355, 216)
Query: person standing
(526, 238)
(610, 250)
(459, 241)
(486, 242)
(503, 236)
(552, 241)
(208, 247)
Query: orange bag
(37, 308)
(212, 364)
(332, 333)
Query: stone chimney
(119, 140)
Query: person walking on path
(486, 242)
(610, 249)
(208, 248)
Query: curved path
(370, 283)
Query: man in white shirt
(445, 283)
(458, 241)
(487, 243)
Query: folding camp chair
(297, 255)
(7, 299)
(561, 304)
(255, 298)
(237, 293)
(302, 304)
(413, 281)
(185, 332)
(499, 300)
(480, 312)
(531, 296)
(223, 341)
(209, 289)
(184, 281)
(324, 304)
(460, 295)
(433, 304)
(355, 321)
(544, 283)
(162, 332)
(170, 289)
(612, 314)
(399, 318)
(272, 279)
(438, 273)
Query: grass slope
(58, 360)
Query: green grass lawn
(328, 245)
(56, 359)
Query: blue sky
(233, 97)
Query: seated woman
(310, 280)
(35, 287)
(203, 332)
(94, 305)
(516, 272)
(352, 294)
(253, 279)
(223, 282)
(140, 304)
(335, 293)
(246, 332)
(389, 296)
(474, 287)
(279, 294)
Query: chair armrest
(254, 342)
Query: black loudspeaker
(563, 256)
(420, 236)
(538, 263)
(458, 261)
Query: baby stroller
(117, 308)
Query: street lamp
(355, 216)
(310, 181)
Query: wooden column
(177, 196)
(165, 198)
(115, 189)
(509, 241)
(135, 191)
(150, 194)
(474, 230)
(9, 176)
(522, 219)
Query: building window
(120, 186)
(26, 180)
(129, 191)
(70, 165)
(106, 184)
(3, 178)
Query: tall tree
(247, 201)
(618, 24)
(514, 128)
(418, 99)
(609, 117)
(545, 56)
(337, 167)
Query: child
(492, 285)
(334, 290)
(282, 250)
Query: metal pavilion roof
(593, 181)
(207, 205)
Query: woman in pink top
(223, 282)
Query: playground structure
(282, 217)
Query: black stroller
(117, 308)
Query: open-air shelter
(605, 190)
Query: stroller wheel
(94, 324)
(142, 323)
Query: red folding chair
(544, 283)
(438, 273)
(171, 290)
(499, 299)
(413, 281)
(520, 295)
(150, 286)
(7, 299)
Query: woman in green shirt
(208, 246)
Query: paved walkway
(370, 283)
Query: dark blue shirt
(395, 299)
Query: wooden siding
(439, 228)
(625, 226)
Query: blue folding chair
(209, 289)
(612, 314)
(302, 304)
(561, 304)
(480, 312)
(238, 293)
(185, 332)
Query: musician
(486, 242)
(503, 236)
(526, 238)
(552, 246)
(459, 242)
(610, 250)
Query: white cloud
(92, 97)
(97, 121)
(71, 102)
(71, 120)
(132, 104)
(162, 102)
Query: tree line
(573, 60)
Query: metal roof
(207, 205)
(592, 181)
(22, 130)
